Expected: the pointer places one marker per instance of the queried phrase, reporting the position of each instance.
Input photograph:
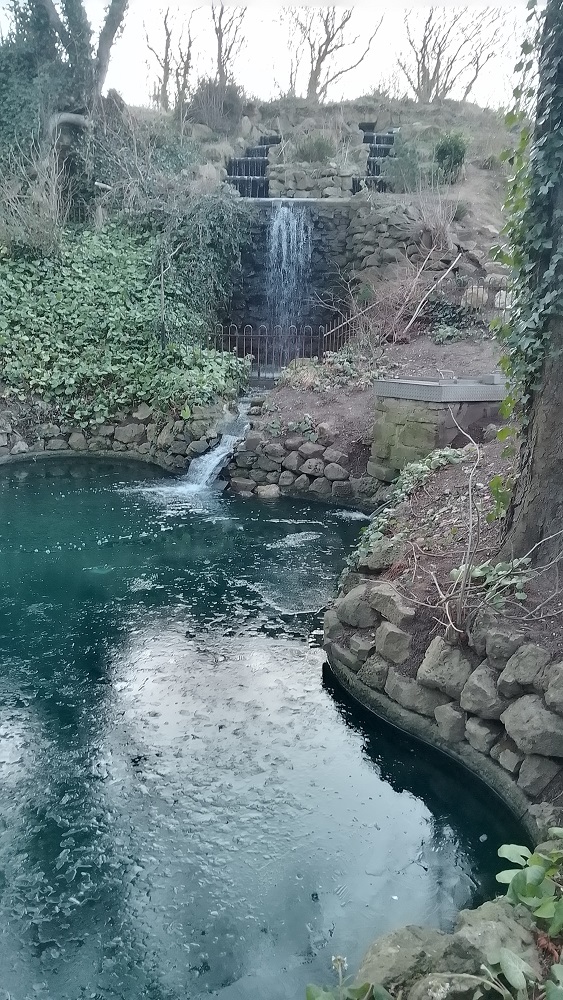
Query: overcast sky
(263, 65)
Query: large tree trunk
(536, 513)
(537, 508)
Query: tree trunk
(536, 512)
(537, 509)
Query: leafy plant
(79, 331)
(343, 991)
(443, 333)
(499, 580)
(537, 881)
(364, 992)
(537, 291)
(514, 970)
(500, 489)
(439, 311)
(404, 170)
(219, 106)
(450, 155)
(412, 476)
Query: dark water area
(189, 806)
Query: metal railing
(491, 299)
(273, 348)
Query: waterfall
(204, 469)
(289, 263)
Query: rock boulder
(480, 695)
(444, 668)
(534, 729)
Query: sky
(263, 65)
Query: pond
(188, 807)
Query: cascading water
(289, 263)
(204, 469)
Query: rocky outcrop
(417, 960)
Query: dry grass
(33, 206)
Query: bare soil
(436, 523)
(422, 358)
(348, 411)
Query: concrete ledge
(425, 730)
(488, 388)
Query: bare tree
(161, 93)
(174, 62)
(322, 31)
(448, 51)
(67, 23)
(229, 38)
(183, 68)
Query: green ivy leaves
(536, 882)
(535, 250)
(78, 331)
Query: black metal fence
(273, 348)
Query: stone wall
(406, 431)
(329, 221)
(303, 180)
(170, 443)
(365, 240)
(497, 703)
(294, 464)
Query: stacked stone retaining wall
(496, 703)
(145, 434)
(407, 430)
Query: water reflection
(185, 809)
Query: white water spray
(289, 263)
(204, 469)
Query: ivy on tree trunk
(534, 338)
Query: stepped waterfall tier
(289, 264)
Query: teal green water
(187, 807)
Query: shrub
(317, 147)
(438, 312)
(403, 169)
(78, 330)
(450, 155)
(218, 106)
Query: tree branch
(115, 15)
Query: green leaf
(553, 991)
(513, 852)
(317, 993)
(505, 877)
(546, 910)
(514, 969)
(556, 925)
(380, 993)
(367, 992)
(556, 831)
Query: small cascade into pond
(289, 263)
(204, 469)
